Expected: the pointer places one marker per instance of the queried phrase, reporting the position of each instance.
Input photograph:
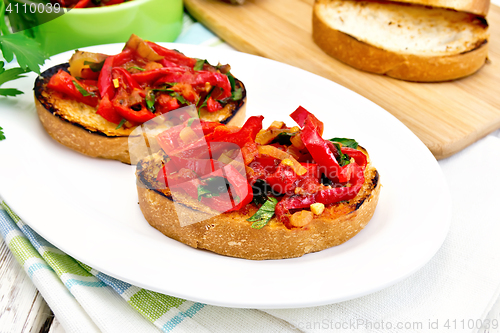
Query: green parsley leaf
(232, 81)
(190, 121)
(204, 104)
(10, 92)
(343, 158)
(199, 64)
(121, 123)
(94, 66)
(3, 25)
(350, 143)
(284, 138)
(11, 74)
(150, 100)
(213, 188)
(237, 94)
(264, 214)
(28, 53)
(2, 136)
(82, 91)
(136, 67)
(179, 97)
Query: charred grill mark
(374, 181)
(41, 81)
(360, 203)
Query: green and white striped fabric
(97, 302)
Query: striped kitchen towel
(86, 300)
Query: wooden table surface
(22, 308)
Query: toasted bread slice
(478, 7)
(404, 41)
(78, 126)
(231, 234)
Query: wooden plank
(22, 308)
(447, 117)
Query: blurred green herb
(26, 50)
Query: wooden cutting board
(447, 117)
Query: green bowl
(154, 20)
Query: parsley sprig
(264, 214)
(27, 52)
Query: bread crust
(407, 67)
(231, 234)
(101, 140)
(478, 7)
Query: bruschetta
(93, 103)
(258, 194)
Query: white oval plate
(88, 207)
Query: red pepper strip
(213, 105)
(88, 74)
(356, 178)
(127, 78)
(320, 151)
(82, 4)
(327, 196)
(359, 156)
(107, 111)
(123, 57)
(247, 133)
(126, 112)
(63, 82)
(283, 179)
(105, 81)
(173, 56)
(239, 186)
(155, 74)
(215, 79)
(209, 127)
(312, 170)
(300, 115)
(200, 166)
(249, 152)
(169, 139)
(166, 63)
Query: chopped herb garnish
(232, 81)
(94, 66)
(237, 94)
(264, 214)
(284, 138)
(150, 100)
(204, 104)
(199, 64)
(121, 123)
(343, 159)
(190, 121)
(136, 67)
(350, 143)
(82, 91)
(2, 135)
(213, 188)
(179, 97)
